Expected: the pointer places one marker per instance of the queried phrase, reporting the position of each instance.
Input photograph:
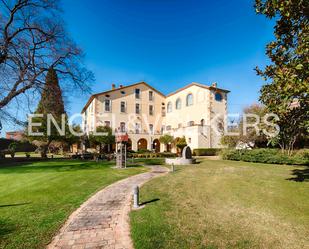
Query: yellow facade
(145, 114)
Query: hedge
(151, 155)
(206, 152)
(21, 146)
(273, 156)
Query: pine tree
(51, 102)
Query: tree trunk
(45, 149)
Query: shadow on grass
(14, 205)
(149, 161)
(300, 175)
(147, 202)
(6, 228)
(134, 166)
(54, 166)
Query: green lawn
(36, 198)
(225, 204)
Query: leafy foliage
(206, 152)
(273, 156)
(102, 140)
(166, 140)
(287, 78)
(248, 135)
(180, 142)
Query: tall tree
(102, 140)
(180, 143)
(286, 92)
(51, 103)
(249, 130)
(166, 140)
(33, 39)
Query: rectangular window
(151, 110)
(168, 128)
(137, 108)
(150, 95)
(137, 93)
(179, 125)
(163, 111)
(122, 106)
(137, 128)
(151, 128)
(122, 127)
(190, 123)
(107, 105)
(107, 123)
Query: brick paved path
(103, 221)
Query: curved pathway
(103, 220)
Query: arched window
(169, 107)
(218, 96)
(202, 122)
(178, 104)
(189, 99)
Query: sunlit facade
(146, 114)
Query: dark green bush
(151, 155)
(206, 152)
(274, 156)
(21, 146)
(141, 151)
(166, 154)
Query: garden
(37, 197)
(225, 204)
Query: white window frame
(151, 114)
(178, 100)
(169, 104)
(187, 102)
(139, 108)
(152, 95)
(139, 94)
(120, 127)
(110, 105)
(125, 107)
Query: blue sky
(170, 43)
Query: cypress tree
(51, 98)
(51, 102)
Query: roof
(14, 132)
(117, 89)
(200, 85)
(144, 83)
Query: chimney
(214, 84)
(113, 86)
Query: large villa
(146, 114)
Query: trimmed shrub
(141, 151)
(206, 152)
(151, 155)
(273, 156)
